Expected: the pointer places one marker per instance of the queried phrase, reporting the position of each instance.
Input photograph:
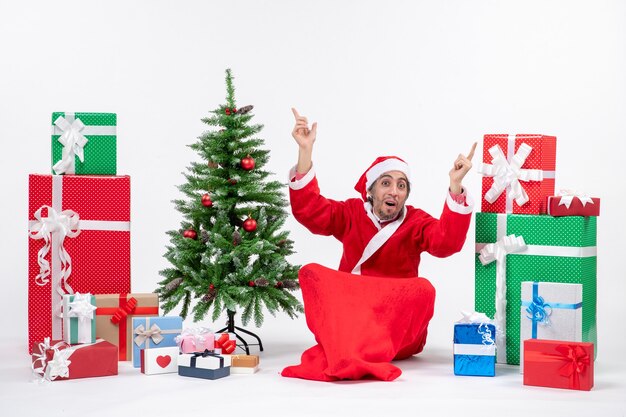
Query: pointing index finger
(471, 154)
(295, 112)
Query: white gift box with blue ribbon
(550, 311)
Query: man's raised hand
(304, 136)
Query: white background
(420, 79)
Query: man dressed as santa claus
(381, 237)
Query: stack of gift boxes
(82, 316)
(207, 355)
(535, 267)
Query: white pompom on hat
(381, 165)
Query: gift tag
(159, 360)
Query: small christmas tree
(230, 252)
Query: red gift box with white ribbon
(80, 242)
(518, 172)
(572, 203)
(558, 364)
(56, 360)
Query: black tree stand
(230, 327)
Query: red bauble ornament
(234, 110)
(279, 284)
(211, 287)
(206, 200)
(251, 283)
(227, 111)
(190, 234)
(249, 225)
(247, 163)
(232, 181)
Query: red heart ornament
(163, 361)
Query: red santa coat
(360, 325)
(368, 249)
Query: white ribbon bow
(58, 366)
(73, 143)
(81, 307)
(473, 317)
(567, 196)
(498, 251)
(154, 333)
(509, 174)
(64, 224)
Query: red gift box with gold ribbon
(558, 364)
(518, 172)
(114, 314)
(80, 242)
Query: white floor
(427, 386)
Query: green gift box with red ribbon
(84, 143)
(512, 248)
(114, 313)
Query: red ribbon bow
(576, 361)
(225, 343)
(122, 312)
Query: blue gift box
(206, 365)
(474, 349)
(151, 332)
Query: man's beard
(387, 217)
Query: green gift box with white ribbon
(512, 248)
(84, 143)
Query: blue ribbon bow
(538, 311)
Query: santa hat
(381, 165)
